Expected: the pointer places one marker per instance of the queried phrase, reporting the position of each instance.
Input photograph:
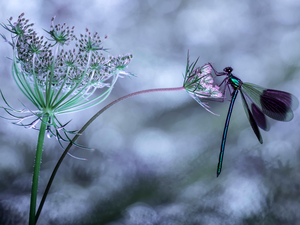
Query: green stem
(37, 165)
(84, 127)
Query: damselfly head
(228, 70)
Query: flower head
(200, 84)
(57, 79)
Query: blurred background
(156, 154)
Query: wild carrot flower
(200, 84)
(57, 78)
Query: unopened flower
(200, 84)
(57, 78)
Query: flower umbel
(200, 84)
(57, 79)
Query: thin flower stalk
(205, 88)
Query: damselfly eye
(228, 69)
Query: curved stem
(83, 129)
(37, 165)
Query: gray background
(156, 154)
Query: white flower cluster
(85, 67)
(56, 77)
(200, 84)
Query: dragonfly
(278, 105)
